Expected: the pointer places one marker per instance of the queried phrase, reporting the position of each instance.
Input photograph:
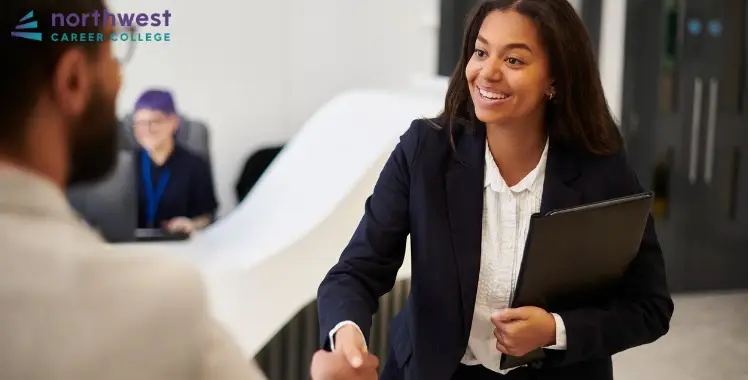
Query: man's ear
(72, 81)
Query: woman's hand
(335, 366)
(349, 361)
(522, 330)
(180, 225)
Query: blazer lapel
(464, 181)
(562, 169)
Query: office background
(255, 73)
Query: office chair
(254, 168)
(111, 204)
(191, 134)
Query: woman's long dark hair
(578, 116)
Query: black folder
(577, 254)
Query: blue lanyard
(153, 196)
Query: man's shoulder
(146, 263)
(139, 306)
(149, 279)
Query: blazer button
(536, 364)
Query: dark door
(685, 123)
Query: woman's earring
(551, 93)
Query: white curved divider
(435, 84)
(264, 261)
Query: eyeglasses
(123, 48)
(157, 123)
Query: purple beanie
(157, 100)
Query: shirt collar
(22, 191)
(532, 182)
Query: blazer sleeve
(639, 311)
(367, 268)
(201, 196)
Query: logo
(25, 24)
(124, 27)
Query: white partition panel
(264, 261)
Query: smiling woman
(508, 74)
(525, 130)
(536, 59)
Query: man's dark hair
(27, 66)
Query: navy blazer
(435, 194)
(189, 191)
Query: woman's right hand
(349, 360)
(350, 342)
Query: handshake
(518, 332)
(348, 361)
